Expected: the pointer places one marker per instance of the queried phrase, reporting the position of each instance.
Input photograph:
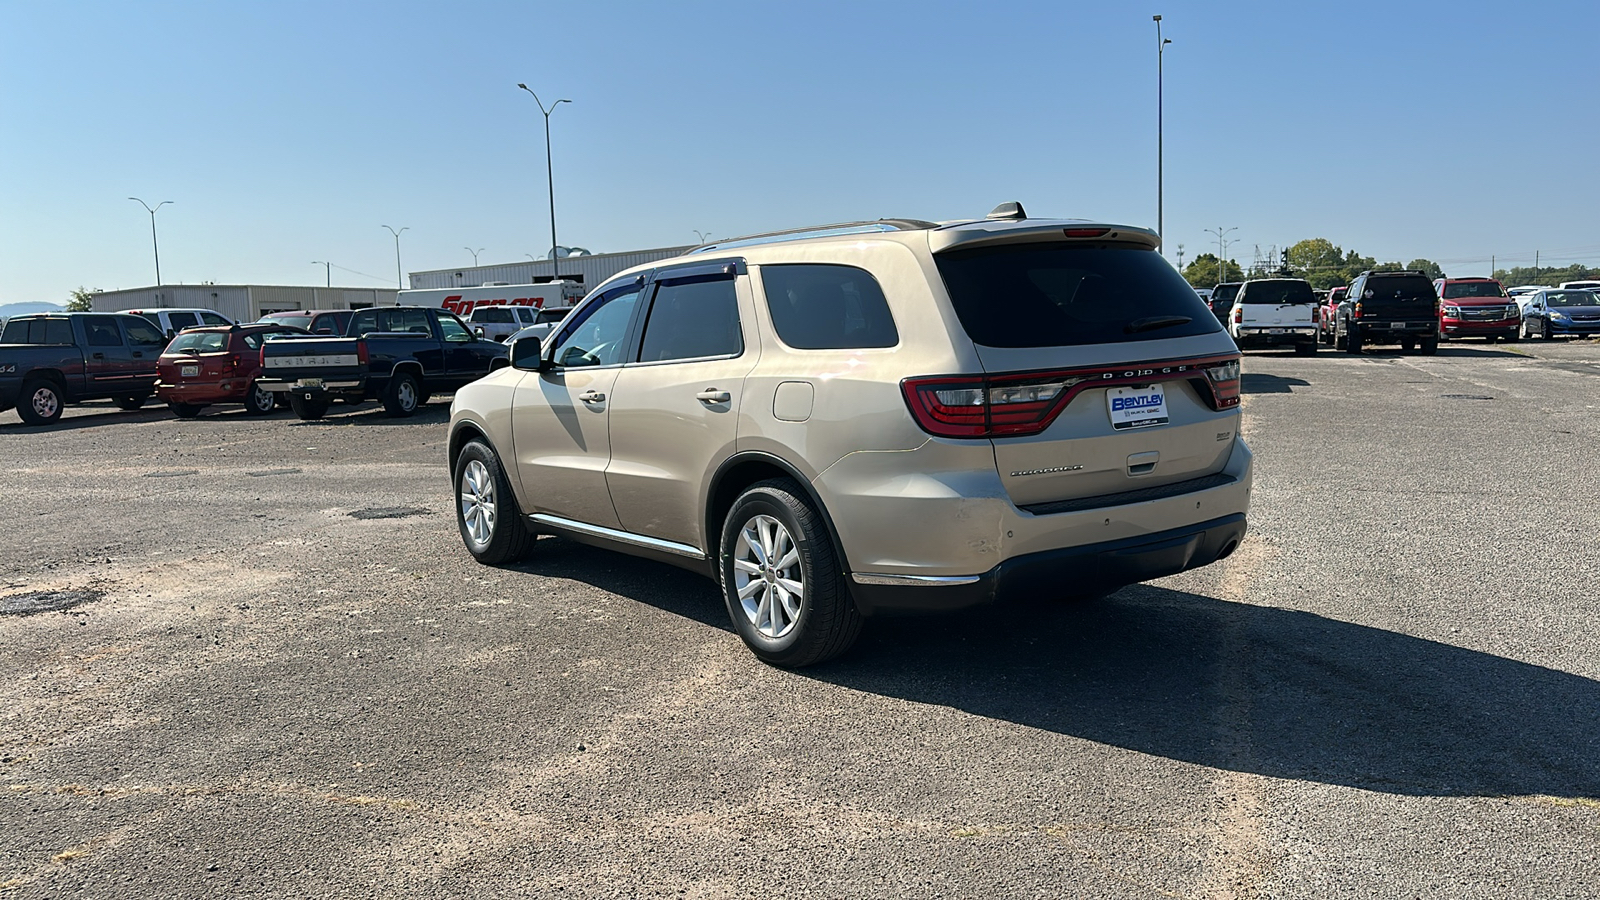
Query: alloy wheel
(767, 576)
(45, 403)
(478, 508)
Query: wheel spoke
(792, 587)
(764, 613)
(746, 566)
(753, 541)
(789, 559)
(746, 592)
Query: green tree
(1426, 266)
(1202, 271)
(1319, 261)
(1545, 275)
(82, 300)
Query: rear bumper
(1374, 330)
(232, 390)
(1071, 570)
(1279, 336)
(305, 388)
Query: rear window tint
(493, 314)
(199, 342)
(1054, 295)
(822, 307)
(181, 320)
(37, 331)
(1456, 290)
(1225, 292)
(1277, 292)
(1398, 287)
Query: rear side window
(1459, 289)
(1055, 295)
(1277, 292)
(819, 307)
(692, 318)
(1397, 287)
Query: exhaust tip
(1227, 550)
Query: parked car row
(1402, 308)
(400, 355)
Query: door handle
(139, 354)
(712, 395)
(592, 397)
(99, 356)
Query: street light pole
(1160, 130)
(550, 176)
(1222, 250)
(703, 236)
(474, 254)
(155, 246)
(397, 282)
(327, 268)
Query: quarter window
(819, 307)
(693, 318)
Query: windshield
(199, 342)
(1458, 289)
(1056, 295)
(1571, 298)
(1278, 292)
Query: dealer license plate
(1397, 324)
(189, 371)
(308, 383)
(1274, 331)
(1137, 407)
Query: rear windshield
(1055, 295)
(497, 314)
(199, 342)
(1278, 292)
(1571, 298)
(1225, 293)
(547, 316)
(1458, 289)
(1398, 287)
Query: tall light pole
(702, 235)
(1222, 250)
(474, 254)
(1161, 46)
(549, 168)
(397, 282)
(153, 244)
(327, 267)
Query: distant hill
(17, 309)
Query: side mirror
(526, 355)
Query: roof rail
(799, 234)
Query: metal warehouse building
(587, 271)
(242, 302)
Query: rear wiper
(1151, 323)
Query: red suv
(203, 366)
(1476, 307)
(1325, 312)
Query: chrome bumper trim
(913, 580)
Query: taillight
(1085, 232)
(1024, 404)
(1238, 313)
(1224, 382)
(1357, 311)
(361, 352)
(234, 361)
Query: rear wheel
(258, 401)
(1352, 340)
(1429, 348)
(781, 579)
(1406, 345)
(185, 410)
(403, 396)
(41, 401)
(487, 514)
(308, 406)
(1307, 348)
(131, 402)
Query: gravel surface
(284, 676)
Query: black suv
(1388, 308)
(1222, 297)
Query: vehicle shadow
(1458, 351)
(110, 416)
(1259, 383)
(667, 588)
(370, 415)
(1274, 692)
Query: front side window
(693, 318)
(825, 307)
(213, 319)
(1057, 295)
(102, 331)
(142, 334)
(596, 336)
(452, 330)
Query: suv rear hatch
(1104, 372)
(1275, 303)
(1397, 297)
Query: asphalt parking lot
(285, 677)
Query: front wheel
(258, 401)
(781, 579)
(308, 406)
(487, 514)
(403, 396)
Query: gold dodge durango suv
(883, 416)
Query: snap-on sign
(461, 307)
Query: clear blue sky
(287, 132)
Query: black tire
(185, 410)
(1544, 329)
(479, 477)
(1308, 348)
(1352, 340)
(131, 402)
(1325, 336)
(1428, 348)
(1407, 345)
(258, 401)
(827, 621)
(308, 407)
(1341, 338)
(41, 401)
(403, 395)
(1492, 339)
